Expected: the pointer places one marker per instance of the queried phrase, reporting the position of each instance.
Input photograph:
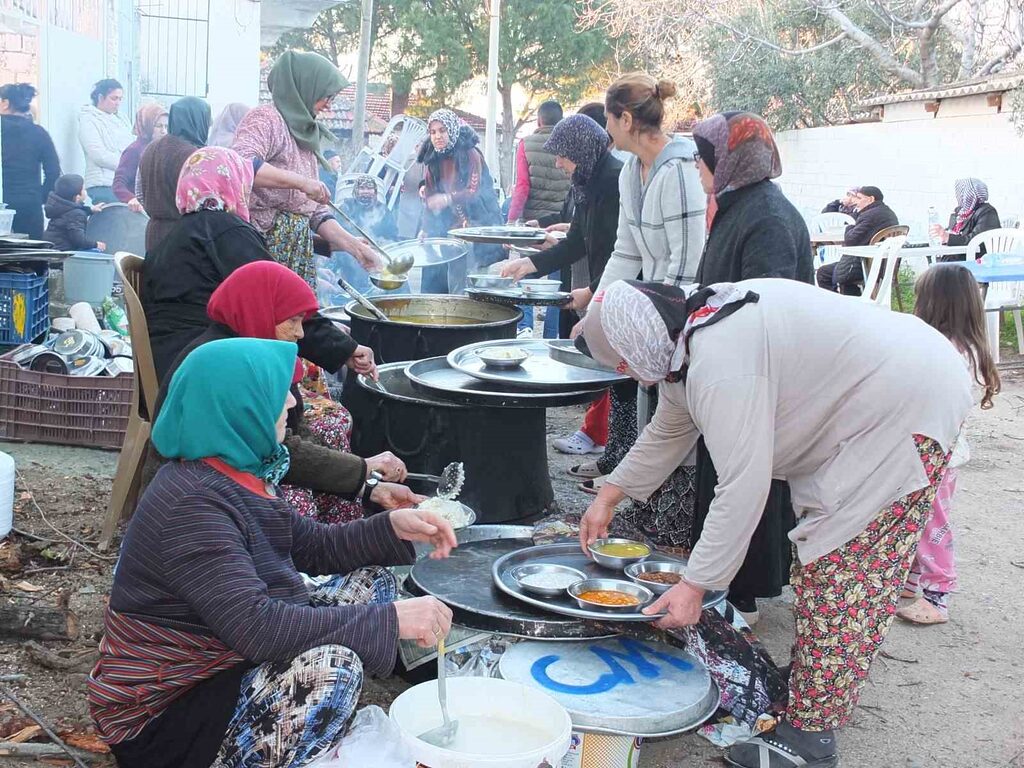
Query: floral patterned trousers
(846, 602)
(290, 713)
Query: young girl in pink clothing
(948, 299)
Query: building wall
(912, 157)
(19, 57)
(234, 69)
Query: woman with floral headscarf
(212, 239)
(754, 231)
(286, 139)
(784, 380)
(215, 649)
(973, 215)
(457, 191)
(150, 125)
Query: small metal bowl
(540, 286)
(634, 571)
(532, 570)
(642, 594)
(503, 358)
(611, 561)
(489, 281)
(388, 282)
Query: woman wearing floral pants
(785, 381)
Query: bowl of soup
(618, 553)
(612, 595)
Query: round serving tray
(516, 297)
(500, 234)
(435, 377)
(539, 371)
(571, 555)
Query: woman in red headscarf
(265, 300)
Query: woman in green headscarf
(285, 137)
(214, 648)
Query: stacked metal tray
(517, 297)
(541, 370)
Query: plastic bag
(372, 740)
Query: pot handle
(422, 348)
(374, 342)
(428, 434)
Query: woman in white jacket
(103, 136)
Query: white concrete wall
(912, 157)
(234, 69)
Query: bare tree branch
(885, 59)
(746, 37)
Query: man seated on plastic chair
(374, 218)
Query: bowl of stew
(612, 595)
(618, 553)
(659, 577)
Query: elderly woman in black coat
(755, 232)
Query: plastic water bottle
(933, 219)
(6, 494)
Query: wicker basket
(89, 411)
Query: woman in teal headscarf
(286, 138)
(214, 648)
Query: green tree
(440, 45)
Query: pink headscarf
(215, 178)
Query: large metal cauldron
(429, 326)
(504, 449)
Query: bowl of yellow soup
(618, 553)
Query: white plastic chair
(878, 283)
(391, 168)
(1001, 297)
(824, 222)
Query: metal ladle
(364, 302)
(396, 266)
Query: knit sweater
(661, 222)
(213, 568)
(103, 137)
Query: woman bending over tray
(214, 647)
(817, 390)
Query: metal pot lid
(434, 376)
(619, 685)
(87, 366)
(428, 252)
(501, 234)
(432, 306)
(539, 371)
(49, 362)
(24, 355)
(77, 343)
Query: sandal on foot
(586, 471)
(922, 612)
(767, 750)
(592, 486)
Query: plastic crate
(88, 411)
(24, 306)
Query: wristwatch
(368, 487)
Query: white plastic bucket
(602, 750)
(6, 494)
(6, 220)
(88, 277)
(509, 708)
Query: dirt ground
(947, 696)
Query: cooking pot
(429, 325)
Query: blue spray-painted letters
(635, 653)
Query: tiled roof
(1004, 81)
(338, 117)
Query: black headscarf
(190, 120)
(580, 139)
